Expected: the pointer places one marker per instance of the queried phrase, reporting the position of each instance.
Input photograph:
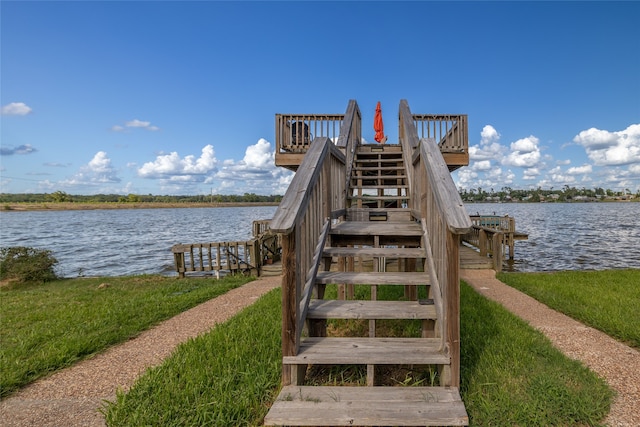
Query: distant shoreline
(68, 206)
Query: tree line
(505, 194)
(63, 197)
(564, 194)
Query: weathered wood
(387, 252)
(385, 278)
(365, 350)
(336, 309)
(368, 406)
(375, 228)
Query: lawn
(46, 327)
(606, 300)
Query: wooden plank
(386, 278)
(367, 406)
(360, 309)
(358, 228)
(376, 252)
(364, 351)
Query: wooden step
(376, 252)
(371, 197)
(359, 309)
(368, 351)
(359, 228)
(386, 278)
(367, 406)
(380, 187)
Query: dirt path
(615, 362)
(71, 397)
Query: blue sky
(163, 97)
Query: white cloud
(170, 166)
(16, 109)
(255, 173)
(135, 123)
(98, 171)
(524, 153)
(580, 170)
(606, 148)
(489, 147)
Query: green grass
(46, 327)
(511, 374)
(228, 377)
(606, 300)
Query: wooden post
(289, 303)
(453, 307)
(497, 251)
(482, 242)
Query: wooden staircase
(378, 178)
(379, 244)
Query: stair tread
(389, 228)
(372, 197)
(367, 406)
(361, 309)
(388, 252)
(385, 278)
(365, 350)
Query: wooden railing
(234, 257)
(449, 131)
(436, 203)
(489, 241)
(247, 256)
(315, 196)
(494, 236)
(294, 132)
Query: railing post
(453, 306)
(497, 251)
(482, 242)
(289, 302)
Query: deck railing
(315, 196)
(436, 203)
(246, 256)
(450, 131)
(294, 132)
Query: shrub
(24, 264)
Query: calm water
(124, 242)
(579, 236)
(572, 236)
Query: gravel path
(613, 361)
(72, 396)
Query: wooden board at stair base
(368, 351)
(367, 406)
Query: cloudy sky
(167, 97)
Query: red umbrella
(378, 126)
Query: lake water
(118, 242)
(577, 236)
(571, 236)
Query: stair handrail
(434, 200)
(315, 196)
(350, 136)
